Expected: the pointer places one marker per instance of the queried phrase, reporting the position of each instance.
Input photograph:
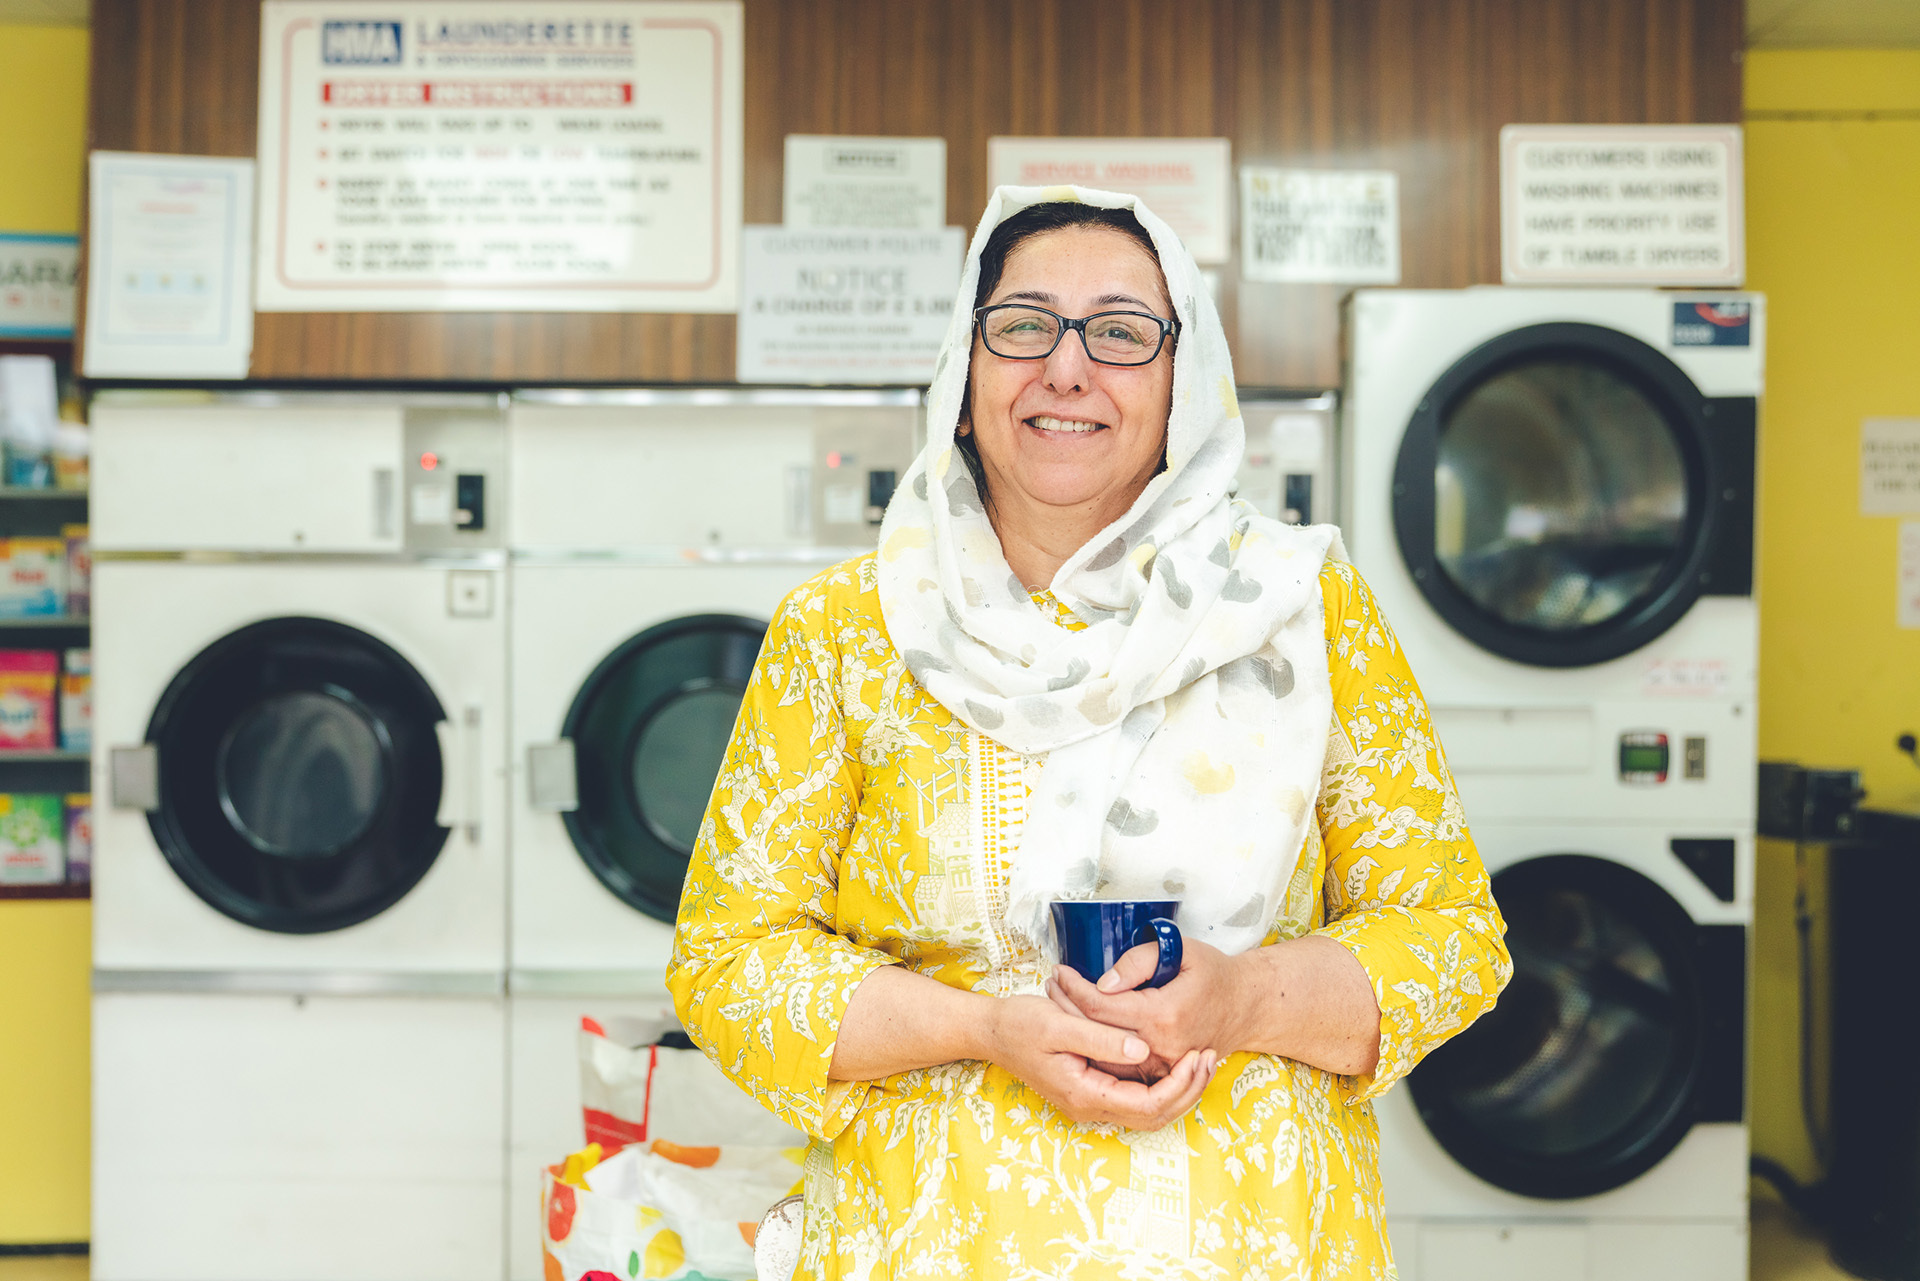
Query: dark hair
(1034, 220)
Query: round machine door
(1564, 493)
(300, 775)
(1607, 1046)
(649, 731)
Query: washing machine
(299, 922)
(654, 534)
(1592, 1126)
(1551, 494)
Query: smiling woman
(1077, 668)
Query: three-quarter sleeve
(1405, 890)
(759, 975)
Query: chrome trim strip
(688, 557)
(789, 396)
(302, 982)
(140, 397)
(638, 984)
(478, 558)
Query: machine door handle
(460, 773)
(553, 784)
(133, 777)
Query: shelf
(46, 891)
(45, 620)
(55, 495)
(43, 757)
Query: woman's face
(1065, 432)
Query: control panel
(454, 478)
(858, 460)
(1286, 471)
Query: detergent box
(32, 836)
(79, 838)
(76, 702)
(28, 681)
(33, 576)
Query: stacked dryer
(299, 885)
(1551, 493)
(654, 535)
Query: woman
(1076, 669)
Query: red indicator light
(429, 461)
(833, 459)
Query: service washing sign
(494, 155)
(1622, 205)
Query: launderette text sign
(1621, 204)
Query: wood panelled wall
(1418, 86)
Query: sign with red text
(1622, 205)
(499, 155)
(1186, 181)
(37, 275)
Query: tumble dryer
(1551, 494)
(654, 532)
(300, 877)
(1592, 1126)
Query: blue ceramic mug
(1093, 935)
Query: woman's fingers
(1061, 1000)
(1097, 1041)
(1135, 966)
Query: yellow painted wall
(1832, 194)
(45, 947)
(43, 125)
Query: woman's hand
(1054, 1053)
(1203, 1007)
(1307, 999)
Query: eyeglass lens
(1113, 337)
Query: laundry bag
(637, 1084)
(659, 1210)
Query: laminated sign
(1320, 226)
(499, 155)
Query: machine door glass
(1556, 497)
(300, 775)
(650, 730)
(1585, 1074)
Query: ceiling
(1771, 24)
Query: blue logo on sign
(366, 44)
(1713, 324)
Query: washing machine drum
(1565, 493)
(1622, 1028)
(299, 775)
(649, 730)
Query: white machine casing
(1684, 1218)
(1522, 740)
(630, 509)
(271, 1106)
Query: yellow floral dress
(856, 823)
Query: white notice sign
(1621, 205)
(170, 247)
(1909, 606)
(37, 275)
(1889, 466)
(896, 183)
(499, 155)
(1314, 225)
(846, 306)
(1183, 180)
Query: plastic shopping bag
(632, 1091)
(661, 1210)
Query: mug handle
(1164, 932)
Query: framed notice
(499, 155)
(896, 183)
(847, 305)
(1186, 181)
(1320, 226)
(37, 274)
(1622, 205)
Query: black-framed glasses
(1021, 331)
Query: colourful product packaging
(79, 553)
(79, 838)
(33, 576)
(32, 832)
(28, 678)
(76, 702)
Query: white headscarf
(1186, 725)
